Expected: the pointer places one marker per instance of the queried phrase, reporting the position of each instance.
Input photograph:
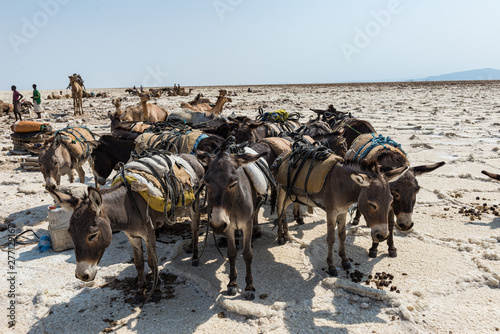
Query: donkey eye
(233, 184)
(55, 163)
(373, 205)
(92, 236)
(395, 195)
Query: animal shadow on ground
(109, 306)
(347, 312)
(493, 224)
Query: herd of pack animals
(194, 161)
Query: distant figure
(16, 101)
(135, 88)
(79, 80)
(142, 90)
(37, 100)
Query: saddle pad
(75, 139)
(317, 176)
(147, 185)
(183, 142)
(280, 145)
(362, 148)
(256, 175)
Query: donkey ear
(204, 158)
(57, 141)
(95, 200)
(362, 179)
(492, 175)
(65, 200)
(394, 174)
(247, 158)
(419, 170)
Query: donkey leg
(248, 256)
(282, 223)
(331, 219)
(71, 176)
(357, 216)
(195, 226)
(81, 174)
(393, 252)
(373, 250)
(136, 244)
(341, 232)
(153, 265)
(297, 214)
(231, 254)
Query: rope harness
(375, 141)
(297, 160)
(79, 139)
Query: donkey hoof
(195, 263)
(393, 253)
(355, 222)
(257, 234)
(333, 272)
(156, 297)
(139, 298)
(372, 253)
(249, 295)
(299, 220)
(281, 240)
(346, 265)
(222, 242)
(231, 290)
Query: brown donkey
(344, 185)
(234, 202)
(120, 208)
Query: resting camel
(6, 107)
(131, 113)
(198, 105)
(77, 93)
(151, 112)
(199, 116)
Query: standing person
(16, 101)
(37, 100)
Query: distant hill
(482, 74)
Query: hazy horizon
(236, 42)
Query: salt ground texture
(447, 271)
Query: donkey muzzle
(220, 220)
(403, 221)
(85, 271)
(379, 234)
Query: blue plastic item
(44, 243)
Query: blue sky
(223, 42)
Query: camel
(205, 107)
(6, 107)
(77, 93)
(194, 116)
(131, 113)
(151, 112)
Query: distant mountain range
(482, 74)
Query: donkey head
(375, 198)
(225, 186)
(404, 190)
(51, 159)
(90, 230)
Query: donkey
(234, 204)
(345, 184)
(119, 208)
(60, 156)
(389, 155)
